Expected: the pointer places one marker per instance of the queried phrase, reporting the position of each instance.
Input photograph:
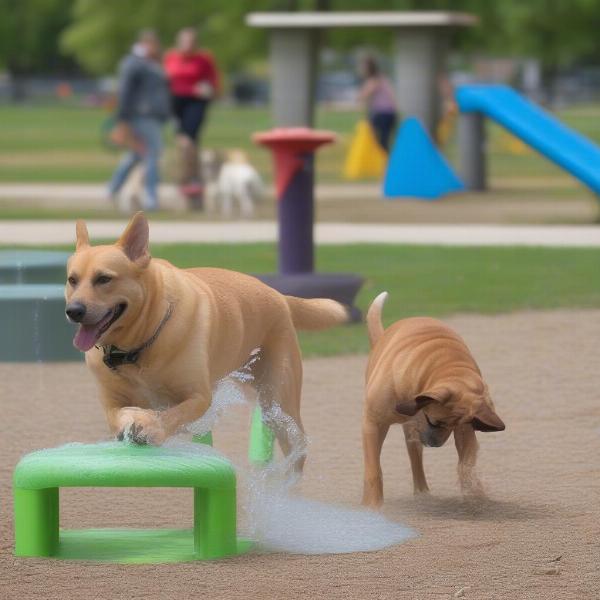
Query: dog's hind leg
(278, 377)
(467, 446)
(415, 454)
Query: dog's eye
(102, 279)
(436, 425)
(72, 281)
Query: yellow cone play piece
(446, 126)
(365, 157)
(514, 145)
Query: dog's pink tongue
(85, 337)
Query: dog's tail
(374, 323)
(317, 313)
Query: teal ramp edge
(416, 168)
(562, 145)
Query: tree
(102, 31)
(29, 32)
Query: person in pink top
(377, 93)
(194, 82)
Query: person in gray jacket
(144, 104)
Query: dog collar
(115, 357)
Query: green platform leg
(36, 522)
(205, 438)
(215, 522)
(260, 450)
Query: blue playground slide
(568, 149)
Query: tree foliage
(36, 35)
(103, 30)
(29, 32)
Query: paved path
(62, 232)
(94, 195)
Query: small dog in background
(230, 180)
(421, 374)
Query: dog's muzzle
(434, 436)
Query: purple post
(296, 217)
(293, 152)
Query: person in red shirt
(194, 82)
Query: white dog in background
(226, 183)
(229, 182)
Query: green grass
(435, 281)
(61, 143)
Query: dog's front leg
(373, 438)
(414, 447)
(173, 419)
(467, 446)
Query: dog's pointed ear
(411, 407)
(82, 236)
(135, 239)
(485, 419)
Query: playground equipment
(293, 153)
(33, 324)
(32, 266)
(32, 302)
(416, 167)
(528, 122)
(366, 158)
(419, 51)
(39, 476)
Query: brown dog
(421, 374)
(158, 338)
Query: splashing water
(277, 518)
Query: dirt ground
(542, 475)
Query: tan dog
(421, 374)
(178, 332)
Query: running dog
(158, 338)
(421, 374)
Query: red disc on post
(287, 143)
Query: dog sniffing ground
(537, 536)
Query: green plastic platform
(39, 476)
(33, 325)
(32, 266)
(260, 450)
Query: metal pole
(471, 150)
(418, 61)
(293, 62)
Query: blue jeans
(149, 132)
(383, 124)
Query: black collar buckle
(115, 357)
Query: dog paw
(134, 434)
(138, 426)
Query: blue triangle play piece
(416, 168)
